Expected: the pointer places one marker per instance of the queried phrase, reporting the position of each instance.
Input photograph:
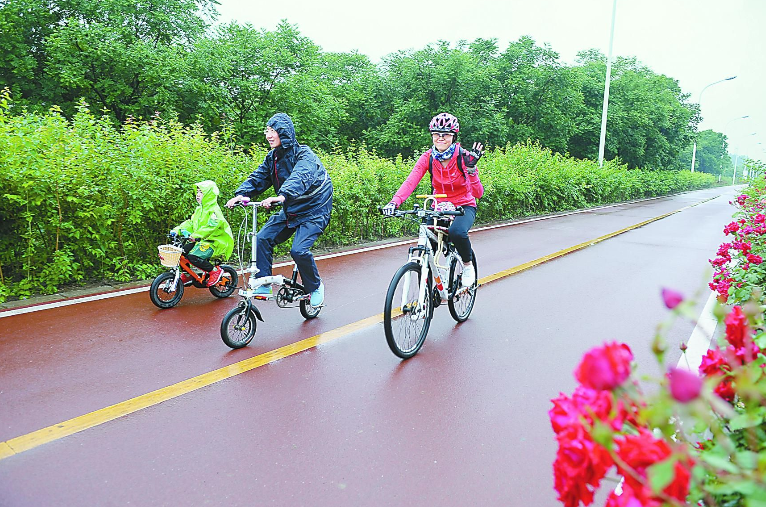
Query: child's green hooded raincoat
(208, 225)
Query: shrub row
(82, 200)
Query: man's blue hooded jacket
(295, 172)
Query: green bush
(83, 200)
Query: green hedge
(82, 200)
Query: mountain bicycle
(431, 276)
(167, 289)
(239, 324)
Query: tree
(417, 85)
(232, 76)
(649, 119)
(711, 154)
(540, 97)
(118, 55)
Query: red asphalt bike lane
(346, 423)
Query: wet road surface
(346, 423)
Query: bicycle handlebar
(247, 202)
(431, 213)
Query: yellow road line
(45, 435)
(36, 438)
(561, 253)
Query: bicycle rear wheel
(308, 311)
(405, 320)
(461, 299)
(225, 287)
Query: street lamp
(723, 145)
(602, 139)
(736, 159)
(699, 103)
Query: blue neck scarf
(443, 155)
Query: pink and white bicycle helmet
(444, 122)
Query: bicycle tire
(461, 303)
(229, 281)
(308, 311)
(238, 327)
(160, 292)
(406, 330)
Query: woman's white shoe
(469, 276)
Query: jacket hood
(285, 128)
(210, 192)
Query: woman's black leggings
(458, 233)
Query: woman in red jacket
(453, 172)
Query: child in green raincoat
(208, 231)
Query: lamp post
(699, 103)
(723, 145)
(602, 138)
(736, 159)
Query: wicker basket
(170, 255)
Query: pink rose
(685, 385)
(604, 368)
(672, 298)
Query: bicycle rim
(461, 302)
(238, 327)
(405, 320)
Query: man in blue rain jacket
(304, 189)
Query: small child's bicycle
(168, 288)
(431, 276)
(239, 324)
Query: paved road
(342, 423)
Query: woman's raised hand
(472, 157)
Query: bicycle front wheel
(162, 293)
(461, 299)
(238, 327)
(406, 319)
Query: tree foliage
(134, 59)
(84, 200)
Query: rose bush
(698, 440)
(700, 437)
(739, 272)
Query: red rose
(627, 499)
(579, 466)
(738, 331)
(641, 451)
(588, 405)
(605, 367)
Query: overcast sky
(696, 42)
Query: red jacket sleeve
(412, 181)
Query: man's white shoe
(469, 276)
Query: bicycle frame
(290, 291)
(409, 304)
(186, 266)
(428, 258)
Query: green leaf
(756, 498)
(720, 462)
(746, 420)
(747, 460)
(661, 474)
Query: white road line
(700, 339)
(108, 295)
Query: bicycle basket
(170, 255)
